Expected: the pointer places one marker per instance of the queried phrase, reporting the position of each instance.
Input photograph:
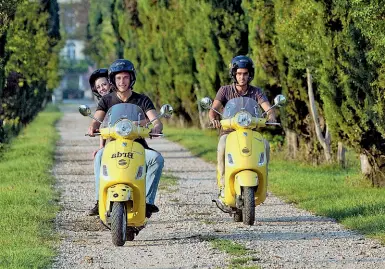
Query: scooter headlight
(244, 119)
(123, 127)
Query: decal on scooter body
(129, 155)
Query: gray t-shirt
(225, 93)
(228, 92)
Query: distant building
(73, 50)
(73, 21)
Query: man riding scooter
(123, 76)
(242, 73)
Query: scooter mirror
(280, 100)
(85, 110)
(206, 102)
(166, 111)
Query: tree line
(326, 57)
(29, 57)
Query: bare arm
(158, 126)
(94, 126)
(271, 114)
(214, 116)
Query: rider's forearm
(95, 124)
(213, 115)
(266, 106)
(157, 123)
(99, 115)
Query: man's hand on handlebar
(156, 131)
(271, 117)
(214, 123)
(92, 130)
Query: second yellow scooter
(246, 157)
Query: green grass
(27, 200)
(201, 144)
(325, 190)
(332, 192)
(239, 253)
(167, 182)
(229, 247)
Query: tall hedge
(182, 50)
(29, 46)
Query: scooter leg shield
(245, 178)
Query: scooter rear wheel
(248, 210)
(118, 223)
(238, 216)
(130, 234)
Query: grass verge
(167, 182)
(325, 190)
(240, 255)
(27, 198)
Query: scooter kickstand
(222, 206)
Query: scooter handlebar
(155, 135)
(95, 134)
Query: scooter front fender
(119, 193)
(245, 178)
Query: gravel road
(178, 236)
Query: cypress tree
(357, 106)
(30, 53)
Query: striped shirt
(228, 92)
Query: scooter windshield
(233, 106)
(122, 111)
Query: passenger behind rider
(122, 75)
(100, 86)
(242, 73)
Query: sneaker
(95, 210)
(151, 209)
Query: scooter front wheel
(118, 223)
(248, 210)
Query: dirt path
(177, 237)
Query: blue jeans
(154, 164)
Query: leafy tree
(100, 34)
(330, 51)
(303, 46)
(31, 45)
(356, 108)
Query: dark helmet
(121, 65)
(98, 73)
(241, 61)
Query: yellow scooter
(246, 157)
(122, 188)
